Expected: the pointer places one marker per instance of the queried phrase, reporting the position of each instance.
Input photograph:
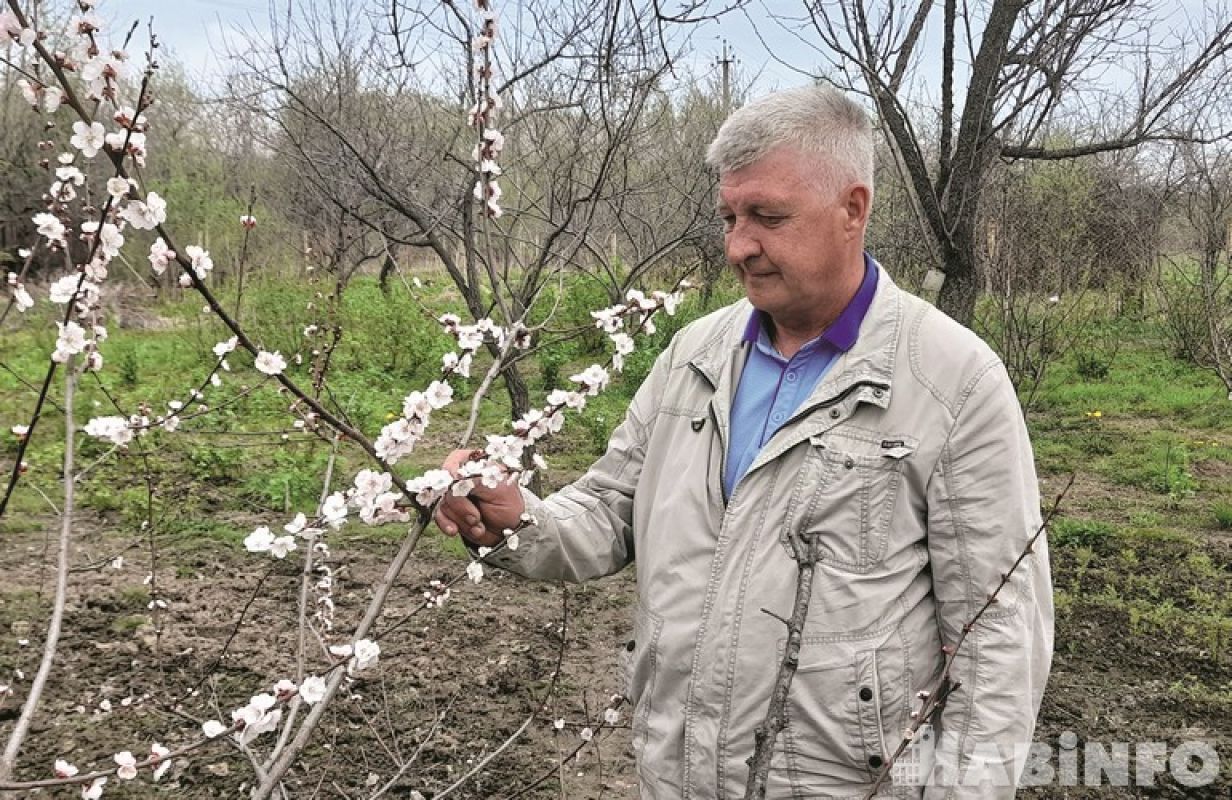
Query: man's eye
(728, 221)
(770, 220)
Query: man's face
(795, 245)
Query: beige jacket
(912, 460)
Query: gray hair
(819, 120)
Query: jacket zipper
(838, 398)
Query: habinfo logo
(1067, 762)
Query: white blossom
(72, 340)
(95, 790)
(270, 363)
(49, 226)
(200, 260)
(52, 99)
(281, 546)
(70, 174)
(439, 394)
(367, 653)
(334, 510)
(258, 717)
(63, 289)
(312, 690)
(117, 187)
(429, 486)
(594, 379)
(146, 215)
(29, 91)
(114, 429)
(222, 348)
(110, 240)
(160, 753)
(370, 483)
(89, 138)
(22, 298)
(259, 541)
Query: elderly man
(830, 402)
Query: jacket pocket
(844, 714)
(823, 743)
(849, 490)
(639, 664)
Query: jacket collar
(870, 360)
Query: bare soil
(455, 683)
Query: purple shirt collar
(842, 333)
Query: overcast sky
(194, 31)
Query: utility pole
(725, 63)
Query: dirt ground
(481, 665)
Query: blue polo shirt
(772, 388)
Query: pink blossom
(160, 256)
(159, 754)
(127, 765)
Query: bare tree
(366, 106)
(1197, 298)
(1007, 72)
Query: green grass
(1147, 422)
(1223, 515)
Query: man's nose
(739, 245)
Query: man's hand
(482, 515)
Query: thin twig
(935, 697)
(305, 587)
(9, 760)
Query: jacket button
(866, 693)
(630, 645)
(834, 413)
(874, 762)
(849, 463)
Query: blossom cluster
(126, 769)
(398, 438)
(102, 231)
(259, 715)
(502, 459)
(483, 114)
(100, 72)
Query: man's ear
(857, 201)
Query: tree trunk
(962, 286)
(519, 404)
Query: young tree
(362, 106)
(1197, 298)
